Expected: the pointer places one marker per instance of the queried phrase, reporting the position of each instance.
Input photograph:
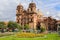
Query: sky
(47, 7)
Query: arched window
(30, 20)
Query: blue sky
(47, 7)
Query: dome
(19, 6)
(32, 5)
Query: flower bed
(29, 35)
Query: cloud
(8, 8)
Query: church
(34, 18)
(31, 16)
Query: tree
(12, 25)
(2, 26)
(26, 26)
(19, 26)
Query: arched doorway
(38, 26)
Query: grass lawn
(47, 37)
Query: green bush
(42, 29)
(26, 26)
(2, 25)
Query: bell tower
(32, 6)
(32, 15)
(19, 9)
(19, 12)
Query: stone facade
(30, 16)
(50, 23)
(34, 18)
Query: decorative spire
(32, 4)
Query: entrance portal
(38, 26)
